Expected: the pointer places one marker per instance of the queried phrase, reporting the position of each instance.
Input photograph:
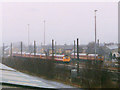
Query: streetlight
(95, 32)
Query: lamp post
(95, 33)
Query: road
(12, 76)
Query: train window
(65, 57)
(100, 57)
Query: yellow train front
(62, 58)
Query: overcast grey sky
(64, 21)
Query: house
(114, 49)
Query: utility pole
(21, 48)
(44, 31)
(28, 37)
(52, 49)
(44, 38)
(74, 49)
(11, 50)
(119, 43)
(95, 33)
(34, 48)
(77, 49)
(77, 56)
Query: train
(61, 58)
(57, 58)
(84, 56)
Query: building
(62, 49)
(114, 49)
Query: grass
(55, 79)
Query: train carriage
(84, 56)
(58, 58)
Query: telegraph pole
(95, 33)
